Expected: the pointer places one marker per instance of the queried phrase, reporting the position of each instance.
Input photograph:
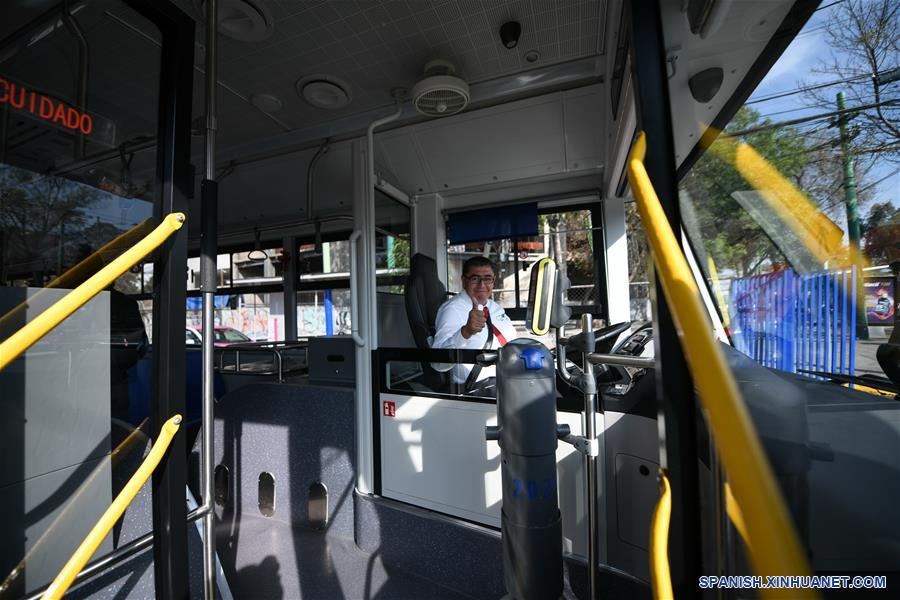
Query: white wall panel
(583, 112)
(397, 151)
(434, 455)
(519, 141)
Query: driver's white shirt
(451, 316)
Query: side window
(392, 244)
(567, 236)
(638, 264)
(323, 299)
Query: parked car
(222, 336)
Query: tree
(39, 215)
(864, 37)
(881, 233)
(731, 235)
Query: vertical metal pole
(779, 321)
(818, 300)
(208, 285)
(834, 321)
(770, 320)
(678, 413)
(853, 330)
(170, 554)
(590, 459)
(861, 329)
(289, 275)
(329, 313)
(81, 84)
(843, 322)
(804, 307)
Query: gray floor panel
(271, 560)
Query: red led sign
(44, 107)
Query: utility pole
(862, 328)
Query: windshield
(793, 211)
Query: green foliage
(401, 252)
(730, 235)
(881, 232)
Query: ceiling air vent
(242, 20)
(441, 93)
(324, 91)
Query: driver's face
(479, 283)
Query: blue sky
(793, 70)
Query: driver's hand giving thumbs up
(476, 321)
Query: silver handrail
(354, 291)
(276, 348)
(640, 362)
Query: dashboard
(620, 380)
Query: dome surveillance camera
(509, 34)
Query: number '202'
(531, 489)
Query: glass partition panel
(423, 378)
(790, 209)
(79, 101)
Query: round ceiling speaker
(242, 20)
(441, 93)
(325, 91)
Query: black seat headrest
(424, 295)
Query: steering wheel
(600, 335)
(573, 353)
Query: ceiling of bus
(378, 46)
(375, 46)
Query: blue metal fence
(790, 321)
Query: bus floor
(276, 561)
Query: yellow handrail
(72, 505)
(777, 547)
(733, 510)
(25, 337)
(90, 544)
(76, 272)
(660, 579)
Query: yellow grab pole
(777, 548)
(660, 578)
(71, 504)
(733, 510)
(90, 544)
(25, 337)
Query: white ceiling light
(325, 91)
(441, 93)
(242, 20)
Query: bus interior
(322, 171)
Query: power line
(829, 5)
(782, 94)
(802, 120)
(790, 110)
(871, 185)
(862, 97)
(811, 31)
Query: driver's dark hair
(478, 261)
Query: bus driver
(472, 320)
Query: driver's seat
(424, 295)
